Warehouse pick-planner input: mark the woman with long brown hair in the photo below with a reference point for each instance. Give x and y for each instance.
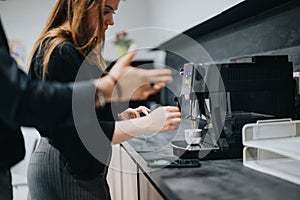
(62, 167)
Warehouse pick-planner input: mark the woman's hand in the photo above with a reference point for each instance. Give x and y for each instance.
(132, 113)
(164, 119)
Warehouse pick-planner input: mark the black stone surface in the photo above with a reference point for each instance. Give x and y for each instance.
(215, 179)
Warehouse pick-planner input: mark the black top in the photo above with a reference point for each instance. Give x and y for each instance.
(29, 104)
(64, 64)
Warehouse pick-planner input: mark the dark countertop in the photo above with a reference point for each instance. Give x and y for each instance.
(215, 179)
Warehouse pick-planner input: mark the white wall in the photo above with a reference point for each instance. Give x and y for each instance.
(181, 15)
(24, 19)
(131, 14)
(169, 17)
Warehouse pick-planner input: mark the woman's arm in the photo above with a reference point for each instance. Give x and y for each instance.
(162, 119)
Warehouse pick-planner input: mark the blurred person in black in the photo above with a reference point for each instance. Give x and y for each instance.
(21, 104)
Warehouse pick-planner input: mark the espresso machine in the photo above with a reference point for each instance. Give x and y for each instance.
(221, 98)
(197, 91)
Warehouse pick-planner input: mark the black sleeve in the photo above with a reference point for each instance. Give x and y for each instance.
(35, 103)
(12, 148)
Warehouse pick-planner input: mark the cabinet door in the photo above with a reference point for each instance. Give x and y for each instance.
(147, 190)
(114, 178)
(129, 177)
(122, 175)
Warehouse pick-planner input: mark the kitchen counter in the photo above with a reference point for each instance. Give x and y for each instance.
(215, 179)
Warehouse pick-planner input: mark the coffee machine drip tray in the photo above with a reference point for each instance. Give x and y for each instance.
(186, 151)
(229, 144)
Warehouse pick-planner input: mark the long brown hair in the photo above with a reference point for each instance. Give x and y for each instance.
(75, 13)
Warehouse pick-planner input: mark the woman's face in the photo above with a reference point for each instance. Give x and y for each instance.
(109, 10)
(111, 6)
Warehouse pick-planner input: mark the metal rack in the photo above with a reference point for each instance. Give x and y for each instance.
(272, 147)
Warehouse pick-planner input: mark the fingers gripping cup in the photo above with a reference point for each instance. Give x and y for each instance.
(192, 136)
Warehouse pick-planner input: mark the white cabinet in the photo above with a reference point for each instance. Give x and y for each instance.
(129, 177)
(146, 189)
(124, 180)
(122, 176)
(114, 174)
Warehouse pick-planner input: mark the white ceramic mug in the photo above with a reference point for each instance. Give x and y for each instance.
(192, 136)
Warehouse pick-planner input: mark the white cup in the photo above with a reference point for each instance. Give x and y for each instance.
(192, 136)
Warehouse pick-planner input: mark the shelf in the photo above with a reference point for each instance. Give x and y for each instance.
(273, 164)
(289, 147)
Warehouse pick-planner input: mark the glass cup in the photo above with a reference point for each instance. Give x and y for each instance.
(192, 136)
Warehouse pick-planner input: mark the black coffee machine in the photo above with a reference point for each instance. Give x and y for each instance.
(222, 98)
